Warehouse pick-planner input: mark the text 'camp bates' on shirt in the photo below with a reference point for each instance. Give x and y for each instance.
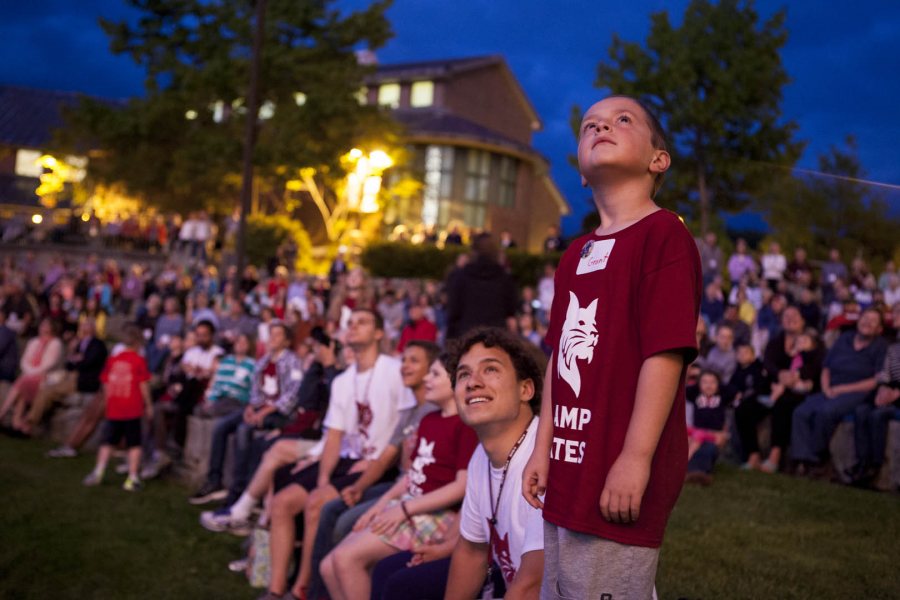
(619, 299)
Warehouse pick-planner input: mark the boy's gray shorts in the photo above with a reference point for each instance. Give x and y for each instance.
(579, 566)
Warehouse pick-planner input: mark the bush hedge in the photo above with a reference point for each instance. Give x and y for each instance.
(409, 261)
(266, 232)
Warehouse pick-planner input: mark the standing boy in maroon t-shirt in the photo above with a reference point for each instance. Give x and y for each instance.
(126, 387)
(627, 296)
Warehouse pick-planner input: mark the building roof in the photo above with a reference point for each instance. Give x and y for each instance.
(439, 123)
(447, 68)
(29, 116)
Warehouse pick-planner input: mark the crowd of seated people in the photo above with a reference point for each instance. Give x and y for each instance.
(338, 398)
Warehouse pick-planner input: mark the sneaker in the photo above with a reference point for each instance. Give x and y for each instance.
(132, 485)
(62, 452)
(239, 566)
(768, 467)
(155, 468)
(221, 520)
(93, 478)
(208, 492)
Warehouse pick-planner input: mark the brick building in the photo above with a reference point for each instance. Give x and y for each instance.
(469, 126)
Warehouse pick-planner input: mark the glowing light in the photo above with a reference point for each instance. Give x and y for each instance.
(380, 160)
(355, 154)
(85, 217)
(299, 98)
(190, 115)
(37, 219)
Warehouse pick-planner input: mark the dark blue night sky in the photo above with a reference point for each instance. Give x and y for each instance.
(843, 58)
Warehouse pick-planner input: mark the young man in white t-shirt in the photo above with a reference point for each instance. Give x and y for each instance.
(365, 405)
(497, 383)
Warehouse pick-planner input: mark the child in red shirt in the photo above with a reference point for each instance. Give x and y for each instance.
(126, 386)
(611, 452)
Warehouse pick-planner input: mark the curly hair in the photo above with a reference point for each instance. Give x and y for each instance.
(526, 358)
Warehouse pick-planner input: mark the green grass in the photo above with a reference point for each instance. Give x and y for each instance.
(748, 536)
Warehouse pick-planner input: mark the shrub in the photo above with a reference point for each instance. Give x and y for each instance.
(265, 233)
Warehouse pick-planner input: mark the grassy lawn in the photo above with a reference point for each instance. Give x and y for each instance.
(748, 536)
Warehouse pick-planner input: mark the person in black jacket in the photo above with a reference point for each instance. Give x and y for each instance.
(481, 292)
(9, 354)
(748, 386)
(87, 356)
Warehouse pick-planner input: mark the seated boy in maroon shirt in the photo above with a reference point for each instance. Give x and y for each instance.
(622, 326)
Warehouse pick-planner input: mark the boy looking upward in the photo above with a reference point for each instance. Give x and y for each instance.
(611, 452)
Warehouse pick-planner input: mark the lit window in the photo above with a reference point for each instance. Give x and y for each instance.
(507, 195)
(478, 173)
(389, 95)
(27, 164)
(438, 184)
(421, 94)
(299, 98)
(362, 96)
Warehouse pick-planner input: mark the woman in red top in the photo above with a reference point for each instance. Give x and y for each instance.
(420, 509)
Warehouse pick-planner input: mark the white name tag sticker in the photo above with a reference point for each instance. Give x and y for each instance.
(594, 256)
(296, 374)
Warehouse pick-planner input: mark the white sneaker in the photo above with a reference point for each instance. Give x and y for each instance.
(62, 452)
(221, 520)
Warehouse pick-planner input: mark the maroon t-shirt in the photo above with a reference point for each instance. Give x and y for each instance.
(618, 300)
(444, 445)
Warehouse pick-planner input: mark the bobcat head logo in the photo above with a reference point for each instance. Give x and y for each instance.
(579, 336)
(424, 457)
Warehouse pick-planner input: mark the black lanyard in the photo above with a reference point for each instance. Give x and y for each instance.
(495, 506)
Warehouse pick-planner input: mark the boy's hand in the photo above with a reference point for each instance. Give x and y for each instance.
(351, 495)
(620, 501)
(534, 478)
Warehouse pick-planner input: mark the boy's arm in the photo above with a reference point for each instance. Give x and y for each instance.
(331, 452)
(376, 468)
(534, 477)
(527, 583)
(148, 398)
(468, 565)
(620, 501)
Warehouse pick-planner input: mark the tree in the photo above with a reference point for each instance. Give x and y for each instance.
(179, 146)
(716, 84)
(832, 209)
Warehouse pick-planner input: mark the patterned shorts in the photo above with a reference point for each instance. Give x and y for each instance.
(424, 529)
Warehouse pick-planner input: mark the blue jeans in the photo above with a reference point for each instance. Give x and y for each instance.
(249, 449)
(704, 459)
(815, 421)
(870, 433)
(224, 427)
(335, 522)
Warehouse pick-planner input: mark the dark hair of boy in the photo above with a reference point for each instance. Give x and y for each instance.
(288, 332)
(132, 336)
(379, 320)
(431, 349)
(205, 323)
(521, 353)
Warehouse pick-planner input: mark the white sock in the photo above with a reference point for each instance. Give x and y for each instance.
(240, 510)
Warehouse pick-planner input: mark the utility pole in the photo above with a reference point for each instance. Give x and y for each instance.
(250, 132)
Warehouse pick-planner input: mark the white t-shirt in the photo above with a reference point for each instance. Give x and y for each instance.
(520, 527)
(366, 407)
(196, 356)
(773, 266)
